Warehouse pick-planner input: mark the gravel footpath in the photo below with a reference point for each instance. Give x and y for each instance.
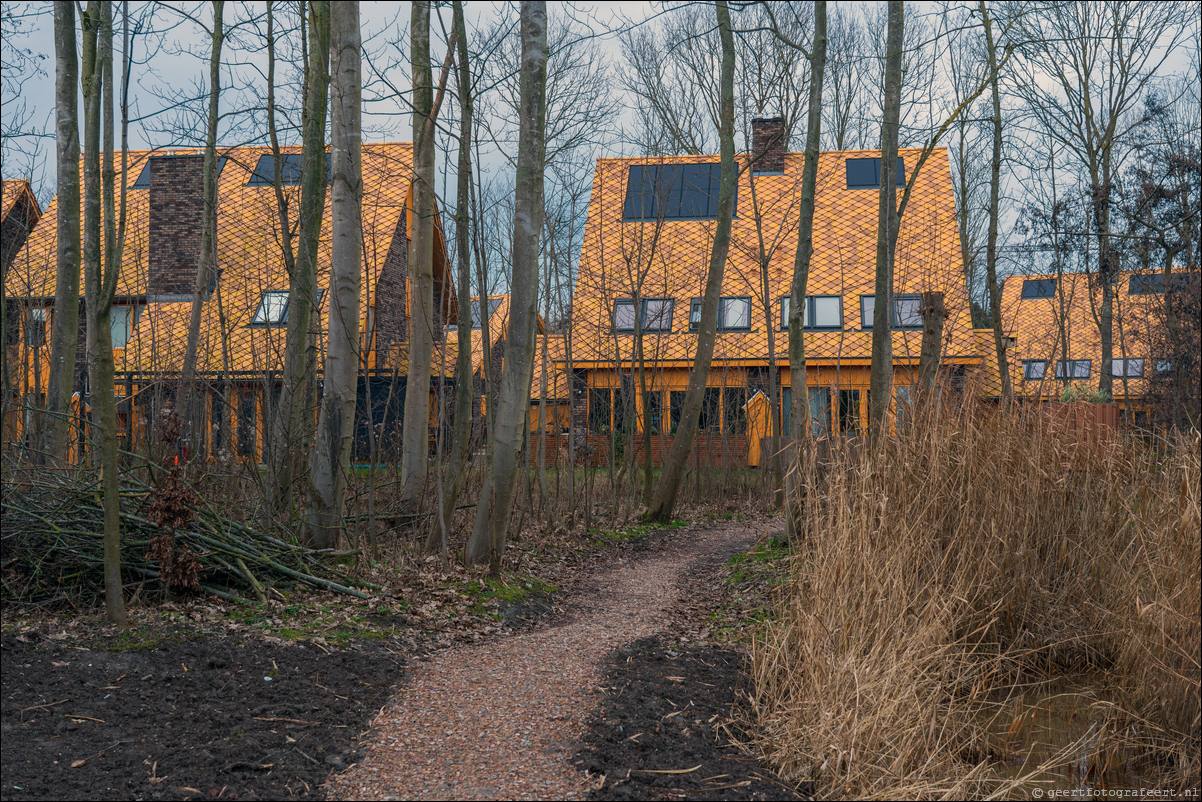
(501, 720)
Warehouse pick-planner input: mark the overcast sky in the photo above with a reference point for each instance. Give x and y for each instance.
(179, 65)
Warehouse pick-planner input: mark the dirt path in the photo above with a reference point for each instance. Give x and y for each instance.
(500, 720)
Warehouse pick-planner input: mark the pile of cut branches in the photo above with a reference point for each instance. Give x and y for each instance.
(54, 551)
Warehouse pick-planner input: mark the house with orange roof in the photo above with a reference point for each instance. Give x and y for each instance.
(19, 213)
(1052, 322)
(644, 261)
(245, 305)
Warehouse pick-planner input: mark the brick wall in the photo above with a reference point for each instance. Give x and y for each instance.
(176, 207)
(709, 450)
(768, 144)
(392, 322)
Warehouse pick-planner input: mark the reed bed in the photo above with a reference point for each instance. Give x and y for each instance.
(941, 572)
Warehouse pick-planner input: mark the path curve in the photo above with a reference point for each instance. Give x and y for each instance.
(501, 720)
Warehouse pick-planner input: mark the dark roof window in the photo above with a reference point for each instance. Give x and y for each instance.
(672, 192)
(866, 173)
(1039, 288)
(1153, 283)
(290, 170)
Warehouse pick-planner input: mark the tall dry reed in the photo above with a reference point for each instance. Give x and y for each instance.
(939, 571)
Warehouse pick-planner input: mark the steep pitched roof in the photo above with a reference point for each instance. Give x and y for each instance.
(249, 260)
(670, 258)
(11, 190)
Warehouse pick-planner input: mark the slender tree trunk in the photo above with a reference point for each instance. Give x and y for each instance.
(101, 265)
(330, 459)
(881, 380)
(294, 421)
(436, 541)
(64, 338)
(208, 230)
(799, 411)
(415, 430)
(488, 537)
(1108, 271)
(664, 503)
(995, 183)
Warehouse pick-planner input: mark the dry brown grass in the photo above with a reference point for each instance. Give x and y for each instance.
(938, 574)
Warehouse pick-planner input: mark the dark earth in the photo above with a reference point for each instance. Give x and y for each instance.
(664, 705)
(189, 714)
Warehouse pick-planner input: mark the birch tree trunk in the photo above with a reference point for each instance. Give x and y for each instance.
(330, 459)
(881, 381)
(64, 338)
(799, 412)
(436, 541)
(664, 502)
(208, 232)
(506, 437)
(415, 428)
(293, 426)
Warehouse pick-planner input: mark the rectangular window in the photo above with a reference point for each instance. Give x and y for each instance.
(1164, 366)
(904, 408)
(246, 423)
(656, 315)
(866, 173)
(849, 412)
(1153, 283)
(290, 170)
(120, 322)
(653, 411)
(820, 411)
(675, 408)
(734, 410)
(35, 327)
(1073, 369)
(1127, 368)
(600, 410)
(709, 420)
(734, 314)
(821, 312)
(215, 419)
(907, 311)
(786, 410)
(1039, 288)
(672, 192)
(1034, 369)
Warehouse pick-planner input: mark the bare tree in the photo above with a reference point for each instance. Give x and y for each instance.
(487, 542)
(888, 222)
(330, 459)
(1085, 67)
(65, 336)
(423, 316)
(995, 181)
(436, 541)
(664, 502)
(292, 428)
(200, 288)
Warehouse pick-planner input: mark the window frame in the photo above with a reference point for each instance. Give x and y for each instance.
(643, 206)
(643, 303)
(894, 317)
(875, 162)
(810, 313)
(1061, 365)
(37, 319)
(1033, 289)
(262, 309)
(722, 302)
(1126, 363)
(257, 179)
(1029, 364)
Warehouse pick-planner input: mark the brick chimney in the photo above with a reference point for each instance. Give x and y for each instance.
(768, 144)
(176, 208)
